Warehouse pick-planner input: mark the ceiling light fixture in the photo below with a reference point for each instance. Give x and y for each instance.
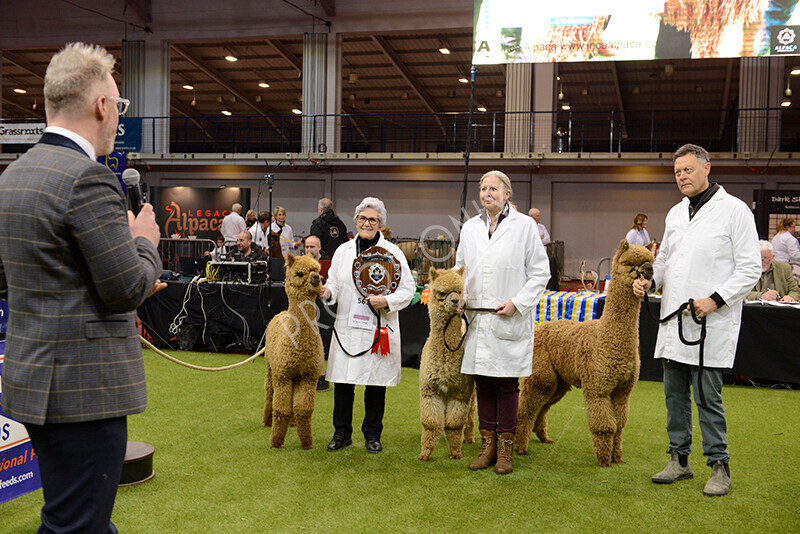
(297, 111)
(481, 108)
(34, 105)
(20, 91)
(565, 106)
(795, 71)
(263, 85)
(788, 90)
(188, 87)
(353, 79)
(444, 50)
(786, 103)
(463, 80)
(231, 58)
(226, 113)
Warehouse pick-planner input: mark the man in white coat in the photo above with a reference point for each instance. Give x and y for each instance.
(355, 332)
(710, 254)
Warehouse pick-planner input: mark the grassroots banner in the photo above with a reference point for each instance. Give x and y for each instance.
(19, 469)
(521, 31)
(21, 133)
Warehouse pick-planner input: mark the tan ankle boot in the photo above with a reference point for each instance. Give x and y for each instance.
(505, 453)
(488, 455)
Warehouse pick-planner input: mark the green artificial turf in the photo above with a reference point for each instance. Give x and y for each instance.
(215, 472)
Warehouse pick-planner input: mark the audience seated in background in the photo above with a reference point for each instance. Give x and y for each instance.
(247, 250)
(536, 215)
(638, 235)
(776, 282)
(313, 248)
(260, 229)
(250, 218)
(218, 251)
(785, 244)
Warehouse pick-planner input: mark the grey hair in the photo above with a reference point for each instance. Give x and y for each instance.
(236, 207)
(533, 212)
(71, 74)
(766, 245)
(325, 204)
(504, 181)
(698, 151)
(374, 203)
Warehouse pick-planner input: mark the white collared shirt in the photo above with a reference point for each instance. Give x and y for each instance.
(69, 134)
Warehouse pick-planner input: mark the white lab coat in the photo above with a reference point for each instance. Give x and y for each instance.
(717, 251)
(287, 238)
(369, 369)
(512, 265)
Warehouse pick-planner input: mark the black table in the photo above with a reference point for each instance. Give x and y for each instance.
(219, 317)
(768, 348)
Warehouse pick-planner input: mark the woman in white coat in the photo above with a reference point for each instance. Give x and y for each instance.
(638, 235)
(355, 331)
(285, 231)
(506, 270)
(785, 244)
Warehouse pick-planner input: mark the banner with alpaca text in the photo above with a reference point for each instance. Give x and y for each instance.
(521, 31)
(19, 469)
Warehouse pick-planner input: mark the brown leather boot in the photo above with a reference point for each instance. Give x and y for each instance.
(505, 453)
(488, 455)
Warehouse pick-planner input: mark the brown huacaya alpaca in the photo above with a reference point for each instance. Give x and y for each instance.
(601, 357)
(446, 397)
(294, 355)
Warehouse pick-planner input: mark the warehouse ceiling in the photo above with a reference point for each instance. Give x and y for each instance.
(400, 73)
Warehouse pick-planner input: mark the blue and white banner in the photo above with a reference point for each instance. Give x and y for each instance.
(19, 469)
(555, 305)
(129, 135)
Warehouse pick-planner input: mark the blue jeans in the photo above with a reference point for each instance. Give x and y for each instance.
(678, 378)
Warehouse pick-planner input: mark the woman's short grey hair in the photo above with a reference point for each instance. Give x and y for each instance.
(374, 203)
(504, 181)
(71, 74)
(766, 245)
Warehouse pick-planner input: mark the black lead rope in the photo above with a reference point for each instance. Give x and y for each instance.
(700, 341)
(466, 329)
(444, 332)
(374, 342)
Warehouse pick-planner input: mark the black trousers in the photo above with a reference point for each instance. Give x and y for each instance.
(374, 404)
(80, 466)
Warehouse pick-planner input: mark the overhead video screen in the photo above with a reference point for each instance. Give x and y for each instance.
(523, 31)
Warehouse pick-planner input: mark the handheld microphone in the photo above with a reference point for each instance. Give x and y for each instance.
(132, 180)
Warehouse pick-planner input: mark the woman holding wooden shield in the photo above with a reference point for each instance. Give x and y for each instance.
(370, 281)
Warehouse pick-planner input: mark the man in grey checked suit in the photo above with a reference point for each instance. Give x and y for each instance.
(74, 268)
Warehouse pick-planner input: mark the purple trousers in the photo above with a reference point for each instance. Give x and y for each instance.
(498, 403)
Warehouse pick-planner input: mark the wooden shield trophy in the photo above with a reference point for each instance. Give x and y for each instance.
(376, 272)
